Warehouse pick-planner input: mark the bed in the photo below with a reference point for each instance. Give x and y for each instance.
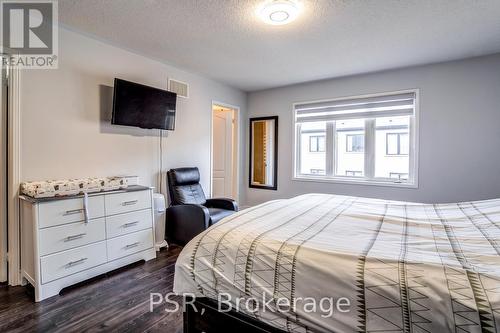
(400, 267)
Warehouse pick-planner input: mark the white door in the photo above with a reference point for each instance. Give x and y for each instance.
(222, 158)
(3, 177)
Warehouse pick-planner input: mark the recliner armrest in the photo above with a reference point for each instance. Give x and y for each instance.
(224, 203)
(185, 222)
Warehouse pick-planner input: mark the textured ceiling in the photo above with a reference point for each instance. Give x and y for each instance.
(223, 39)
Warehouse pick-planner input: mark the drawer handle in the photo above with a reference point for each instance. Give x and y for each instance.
(130, 224)
(129, 246)
(73, 212)
(129, 203)
(74, 237)
(76, 262)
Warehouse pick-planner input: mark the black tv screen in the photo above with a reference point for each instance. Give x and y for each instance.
(138, 105)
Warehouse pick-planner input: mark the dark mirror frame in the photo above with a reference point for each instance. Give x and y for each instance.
(274, 186)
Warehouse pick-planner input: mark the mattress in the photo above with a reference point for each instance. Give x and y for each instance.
(400, 267)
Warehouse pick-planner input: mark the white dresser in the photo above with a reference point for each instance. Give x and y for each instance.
(68, 240)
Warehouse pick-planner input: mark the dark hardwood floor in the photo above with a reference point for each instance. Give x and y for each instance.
(117, 301)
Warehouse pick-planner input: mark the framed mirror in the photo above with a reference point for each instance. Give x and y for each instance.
(264, 153)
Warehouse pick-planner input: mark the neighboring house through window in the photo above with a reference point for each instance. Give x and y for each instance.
(398, 175)
(397, 144)
(351, 173)
(372, 138)
(355, 143)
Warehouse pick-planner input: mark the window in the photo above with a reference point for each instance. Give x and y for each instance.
(317, 143)
(349, 133)
(371, 138)
(355, 143)
(392, 148)
(397, 144)
(311, 162)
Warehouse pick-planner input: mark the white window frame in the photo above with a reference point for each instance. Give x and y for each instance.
(369, 148)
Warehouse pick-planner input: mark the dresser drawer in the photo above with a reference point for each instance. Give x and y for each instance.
(127, 202)
(130, 244)
(69, 210)
(68, 236)
(118, 225)
(65, 263)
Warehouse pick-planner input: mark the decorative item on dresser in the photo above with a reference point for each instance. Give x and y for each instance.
(66, 240)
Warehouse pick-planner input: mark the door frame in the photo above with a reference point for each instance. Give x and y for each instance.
(237, 145)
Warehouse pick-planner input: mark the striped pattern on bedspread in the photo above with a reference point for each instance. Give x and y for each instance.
(405, 267)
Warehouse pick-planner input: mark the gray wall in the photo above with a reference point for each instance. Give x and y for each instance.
(459, 130)
(66, 130)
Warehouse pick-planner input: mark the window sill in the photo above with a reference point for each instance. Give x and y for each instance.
(351, 181)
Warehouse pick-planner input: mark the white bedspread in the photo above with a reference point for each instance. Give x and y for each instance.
(405, 267)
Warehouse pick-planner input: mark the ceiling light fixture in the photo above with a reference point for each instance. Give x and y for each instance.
(279, 12)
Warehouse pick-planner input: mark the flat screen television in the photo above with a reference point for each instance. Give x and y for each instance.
(138, 105)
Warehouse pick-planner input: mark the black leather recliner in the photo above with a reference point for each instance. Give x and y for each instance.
(190, 212)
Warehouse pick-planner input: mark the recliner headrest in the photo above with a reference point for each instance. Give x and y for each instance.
(184, 176)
